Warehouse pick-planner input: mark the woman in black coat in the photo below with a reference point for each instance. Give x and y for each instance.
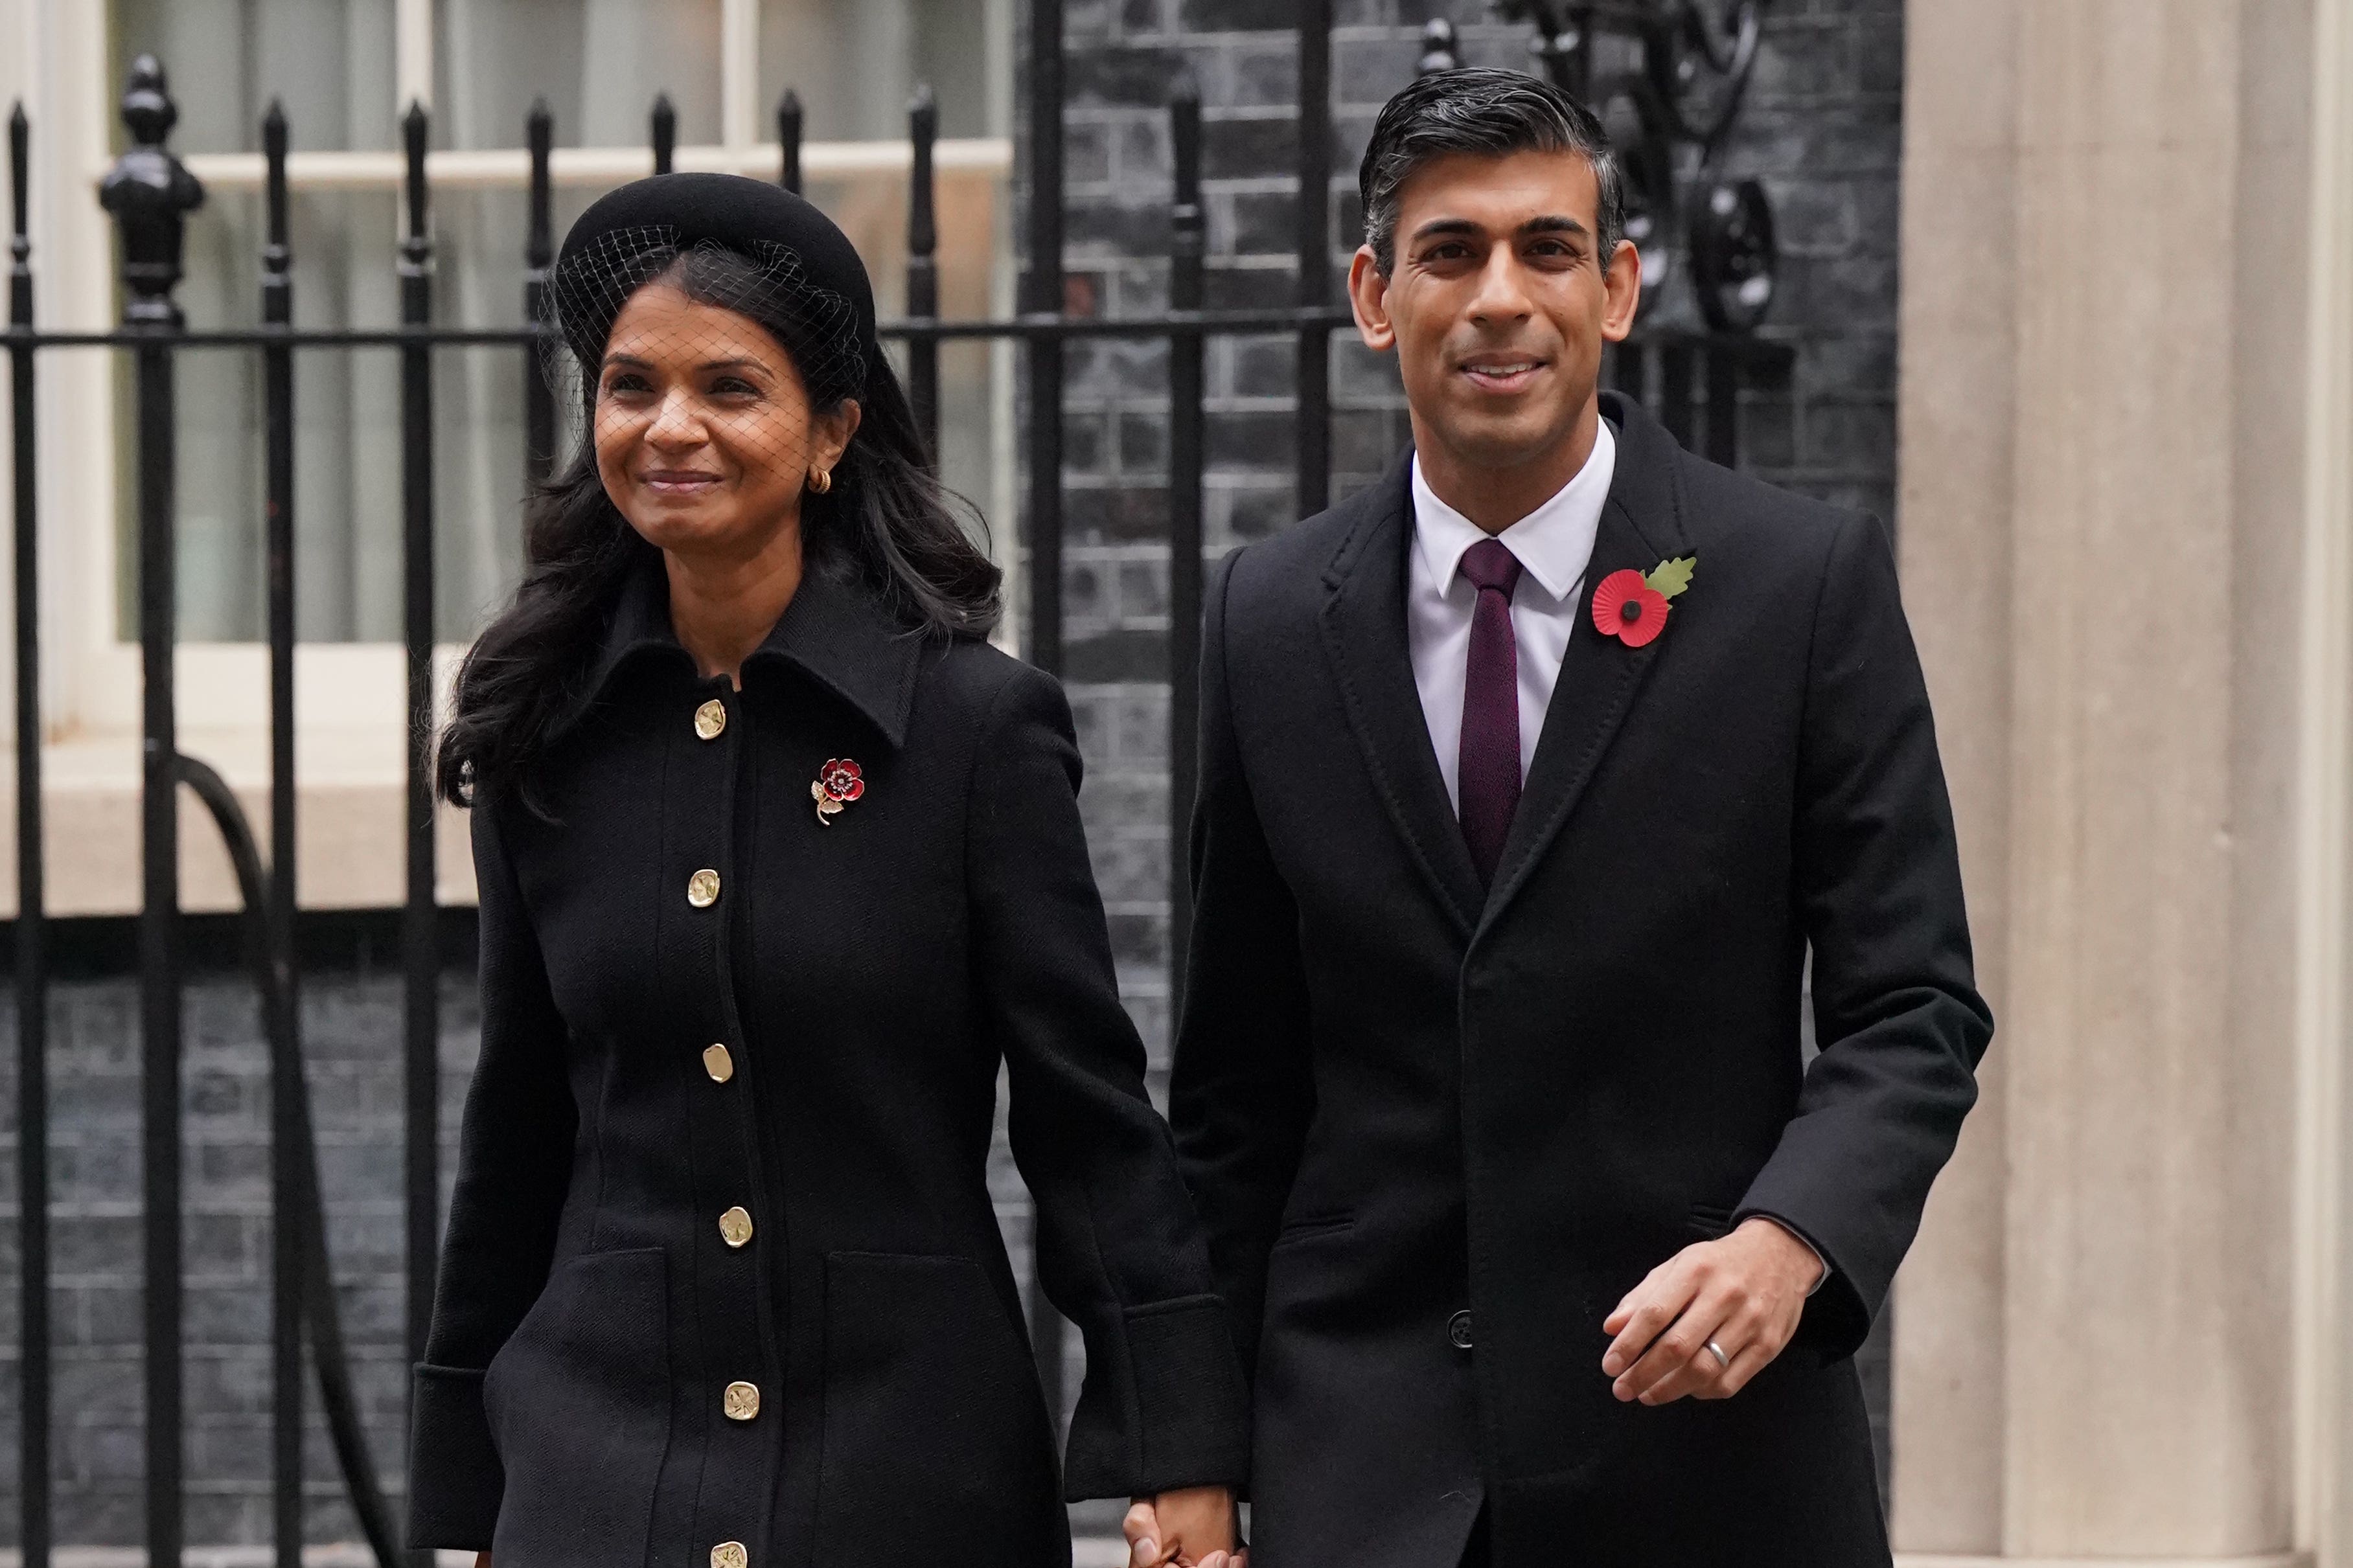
(778, 860)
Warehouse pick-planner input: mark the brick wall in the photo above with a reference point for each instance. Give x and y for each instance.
(351, 1024)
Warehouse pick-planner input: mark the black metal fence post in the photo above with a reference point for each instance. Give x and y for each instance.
(32, 969)
(419, 930)
(1044, 531)
(286, 1087)
(150, 193)
(788, 140)
(538, 257)
(1722, 406)
(1314, 370)
(1187, 422)
(923, 268)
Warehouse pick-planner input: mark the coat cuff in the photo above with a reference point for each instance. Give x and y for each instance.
(1837, 1318)
(455, 1479)
(1189, 1408)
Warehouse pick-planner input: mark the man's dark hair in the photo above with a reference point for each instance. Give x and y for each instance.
(1491, 112)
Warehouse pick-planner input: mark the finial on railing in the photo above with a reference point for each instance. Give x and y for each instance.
(1186, 220)
(414, 248)
(150, 192)
(1437, 49)
(788, 140)
(922, 132)
(20, 164)
(276, 255)
(539, 134)
(20, 232)
(665, 129)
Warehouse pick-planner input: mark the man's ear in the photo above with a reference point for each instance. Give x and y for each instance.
(1623, 292)
(1369, 293)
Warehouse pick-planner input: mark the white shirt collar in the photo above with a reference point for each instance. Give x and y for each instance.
(1554, 544)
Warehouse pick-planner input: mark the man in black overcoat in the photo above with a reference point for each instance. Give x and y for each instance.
(1531, 778)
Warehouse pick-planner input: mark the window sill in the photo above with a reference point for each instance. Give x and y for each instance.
(350, 849)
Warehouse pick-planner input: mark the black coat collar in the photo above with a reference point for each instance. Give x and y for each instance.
(835, 633)
(1365, 636)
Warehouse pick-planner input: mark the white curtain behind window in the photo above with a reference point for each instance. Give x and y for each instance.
(598, 64)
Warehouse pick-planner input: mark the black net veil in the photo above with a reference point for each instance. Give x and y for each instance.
(763, 281)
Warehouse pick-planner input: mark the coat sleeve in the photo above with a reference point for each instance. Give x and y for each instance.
(1243, 1092)
(1896, 1011)
(1119, 1248)
(514, 1163)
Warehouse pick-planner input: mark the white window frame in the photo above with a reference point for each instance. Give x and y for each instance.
(349, 696)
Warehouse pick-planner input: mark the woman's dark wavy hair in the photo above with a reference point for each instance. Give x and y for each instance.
(887, 525)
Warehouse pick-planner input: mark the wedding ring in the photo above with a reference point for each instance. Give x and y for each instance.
(1723, 1361)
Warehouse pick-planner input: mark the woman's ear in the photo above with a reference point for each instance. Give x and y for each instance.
(835, 430)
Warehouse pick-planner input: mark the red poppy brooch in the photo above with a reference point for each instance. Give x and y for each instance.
(837, 784)
(1632, 606)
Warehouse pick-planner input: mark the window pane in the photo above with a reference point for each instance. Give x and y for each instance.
(329, 60)
(855, 65)
(598, 63)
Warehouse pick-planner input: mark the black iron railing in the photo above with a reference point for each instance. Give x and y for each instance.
(1695, 380)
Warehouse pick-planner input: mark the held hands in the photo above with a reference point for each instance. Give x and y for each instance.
(1744, 1292)
(1198, 1527)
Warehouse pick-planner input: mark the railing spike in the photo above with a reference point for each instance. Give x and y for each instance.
(789, 118)
(665, 133)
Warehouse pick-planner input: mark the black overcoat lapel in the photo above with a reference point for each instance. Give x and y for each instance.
(1600, 677)
(1365, 638)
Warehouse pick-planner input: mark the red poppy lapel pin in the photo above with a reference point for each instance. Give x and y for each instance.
(837, 784)
(1632, 606)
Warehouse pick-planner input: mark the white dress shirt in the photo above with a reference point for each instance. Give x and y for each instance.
(1554, 544)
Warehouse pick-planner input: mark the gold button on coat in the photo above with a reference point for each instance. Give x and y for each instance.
(710, 718)
(730, 1554)
(718, 1063)
(735, 1227)
(702, 889)
(743, 1402)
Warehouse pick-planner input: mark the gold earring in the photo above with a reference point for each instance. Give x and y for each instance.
(820, 480)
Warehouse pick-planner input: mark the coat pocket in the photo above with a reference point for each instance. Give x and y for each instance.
(936, 1447)
(1314, 1225)
(1709, 1222)
(578, 1401)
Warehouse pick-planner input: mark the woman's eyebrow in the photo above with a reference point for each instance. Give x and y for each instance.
(739, 363)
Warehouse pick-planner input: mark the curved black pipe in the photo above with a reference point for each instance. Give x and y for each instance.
(320, 1310)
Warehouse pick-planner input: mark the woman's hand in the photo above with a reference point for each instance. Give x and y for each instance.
(1198, 1527)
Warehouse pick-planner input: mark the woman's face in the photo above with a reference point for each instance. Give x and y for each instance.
(704, 430)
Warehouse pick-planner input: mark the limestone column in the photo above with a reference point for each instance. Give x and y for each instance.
(2102, 491)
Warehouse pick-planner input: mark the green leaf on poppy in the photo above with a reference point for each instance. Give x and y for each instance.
(1672, 577)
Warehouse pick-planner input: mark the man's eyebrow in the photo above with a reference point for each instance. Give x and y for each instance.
(1544, 223)
(1554, 223)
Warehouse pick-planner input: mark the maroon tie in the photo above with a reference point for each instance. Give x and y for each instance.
(1488, 779)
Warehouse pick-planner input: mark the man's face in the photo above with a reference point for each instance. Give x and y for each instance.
(1496, 302)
